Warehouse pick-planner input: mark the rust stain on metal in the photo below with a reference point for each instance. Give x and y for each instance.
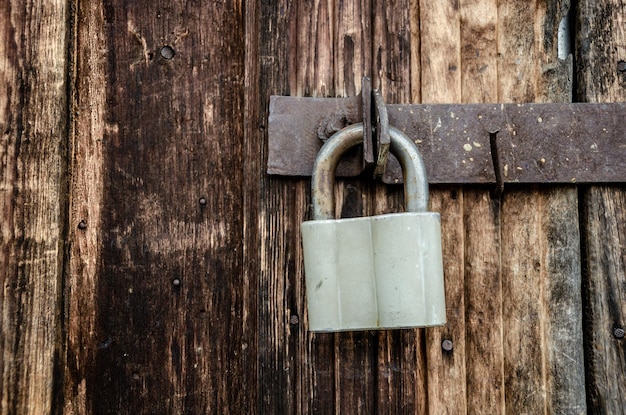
(538, 143)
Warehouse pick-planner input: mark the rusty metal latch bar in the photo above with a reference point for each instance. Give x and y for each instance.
(537, 143)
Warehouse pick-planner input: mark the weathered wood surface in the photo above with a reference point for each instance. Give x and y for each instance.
(184, 289)
(601, 74)
(159, 318)
(540, 254)
(33, 130)
(499, 344)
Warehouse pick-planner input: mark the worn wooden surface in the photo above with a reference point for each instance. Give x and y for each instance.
(497, 341)
(601, 74)
(440, 81)
(181, 287)
(33, 120)
(157, 304)
(540, 250)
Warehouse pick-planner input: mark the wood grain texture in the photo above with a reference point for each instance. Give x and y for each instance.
(600, 47)
(605, 299)
(156, 300)
(87, 129)
(538, 304)
(481, 215)
(446, 371)
(483, 297)
(501, 349)
(33, 195)
(440, 36)
(273, 214)
(540, 244)
(440, 51)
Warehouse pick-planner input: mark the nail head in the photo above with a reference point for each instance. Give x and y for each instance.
(447, 345)
(618, 332)
(82, 225)
(621, 66)
(167, 52)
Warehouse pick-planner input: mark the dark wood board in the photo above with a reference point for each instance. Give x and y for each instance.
(158, 304)
(601, 77)
(149, 265)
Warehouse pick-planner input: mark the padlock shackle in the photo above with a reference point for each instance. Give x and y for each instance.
(323, 180)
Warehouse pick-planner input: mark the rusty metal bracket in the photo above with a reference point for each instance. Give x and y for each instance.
(536, 143)
(368, 125)
(383, 140)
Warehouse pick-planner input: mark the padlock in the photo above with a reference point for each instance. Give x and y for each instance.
(377, 272)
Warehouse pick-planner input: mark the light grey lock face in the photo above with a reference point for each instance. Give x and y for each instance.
(377, 272)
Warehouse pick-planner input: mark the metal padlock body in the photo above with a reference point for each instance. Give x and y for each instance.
(378, 272)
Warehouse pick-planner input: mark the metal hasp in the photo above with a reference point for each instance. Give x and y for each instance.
(536, 143)
(377, 272)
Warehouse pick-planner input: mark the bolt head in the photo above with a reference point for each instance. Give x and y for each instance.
(618, 332)
(167, 52)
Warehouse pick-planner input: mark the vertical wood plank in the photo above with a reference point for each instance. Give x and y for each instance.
(275, 212)
(483, 281)
(252, 170)
(446, 367)
(563, 305)
(540, 246)
(169, 333)
(483, 297)
(601, 76)
(33, 197)
(523, 290)
(605, 299)
(440, 27)
(87, 128)
(314, 49)
(440, 51)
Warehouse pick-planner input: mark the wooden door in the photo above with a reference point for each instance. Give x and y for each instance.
(149, 265)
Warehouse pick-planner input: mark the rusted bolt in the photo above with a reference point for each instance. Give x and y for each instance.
(167, 52)
(447, 345)
(618, 332)
(82, 225)
(202, 201)
(294, 320)
(176, 282)
(621, 66)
